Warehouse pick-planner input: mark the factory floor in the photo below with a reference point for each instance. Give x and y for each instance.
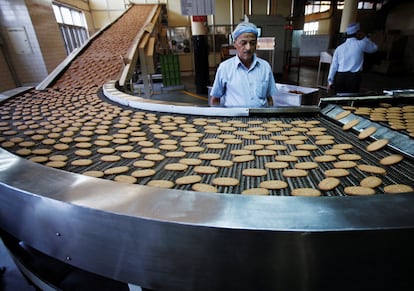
(11, 279)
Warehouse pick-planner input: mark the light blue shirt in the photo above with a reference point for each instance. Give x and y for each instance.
(237, 86)
(349, 56)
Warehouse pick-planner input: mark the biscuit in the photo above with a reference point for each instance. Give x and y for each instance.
(23, 152)
(175, 167)
(188, 180)
(376, 145)
(193, 149)
(143, 173)
(61, 147)
(391, 160)
(342, 146)
(143, 164)
(350, 124)
(190, 161)
(154, 157)
(300, 153)
(371, 182)
(372, 169)
(58, 158)
(243, 158)
(202, 187)
(161, 184)
(324, 158)
(56, 164)
(110, 158)
(226, 181)
(130, 155)
(254, 172)
(276, 147)
(205, 170)
(39, 159)
(222, 163)
(336, 173)
(359, 190)
(286, 158)
(116, 170)
(343, 114)
(349, 157)
(255, 191)
(398, 188)
(367, 132)
(253, 147)
(328, 183)
(93, 173)
(308, 147)
(344, 164)
(83, 153)
(276, 165)
(106, 151)
(291, 173)
(175, 154)
(334, 152)
(81, 162)
(307, 192)
(306, 165)
(125, 179)
(273, 184)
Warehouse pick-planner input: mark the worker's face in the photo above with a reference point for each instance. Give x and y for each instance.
(245, 45)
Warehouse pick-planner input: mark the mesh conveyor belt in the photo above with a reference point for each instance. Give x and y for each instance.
(395, 174)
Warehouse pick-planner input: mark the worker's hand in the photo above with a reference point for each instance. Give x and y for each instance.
(214, 101)
(270, 101)
(360, 34)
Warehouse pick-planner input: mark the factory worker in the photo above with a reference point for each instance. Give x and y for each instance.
(348, 59)
(244, 80)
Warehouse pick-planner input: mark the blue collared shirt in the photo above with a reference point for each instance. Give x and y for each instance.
(349, 56)
(238, 86)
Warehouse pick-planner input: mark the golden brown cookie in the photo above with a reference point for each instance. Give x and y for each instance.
(125, 179)
(143, 173)
(254, 172)
(398, 188)
(371, 182)
(367, 132)
(222, 163)
(336, 173)
(205, 170)
(175, 167)
(161, 184)
(307, 192)
(372, 169)
(144, 164)
(188, 180)
(255, 191)
(328, 183)
(202, 187)
(292, 173)
(391, 160)
(376, 145)
(116, 170)
(226, 181)
(273, 184)
(359, 190)
(350, 124)
(93, 173)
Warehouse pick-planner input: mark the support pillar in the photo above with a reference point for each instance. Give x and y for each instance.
(200, 49)
(349, 14)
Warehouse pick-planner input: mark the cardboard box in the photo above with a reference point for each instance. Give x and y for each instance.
(291, 95)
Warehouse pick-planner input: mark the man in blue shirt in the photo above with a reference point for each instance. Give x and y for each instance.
(244, 80)
(345, 70)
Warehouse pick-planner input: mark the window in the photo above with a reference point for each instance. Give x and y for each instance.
(72, 25)
(311, 28)
(317, 7)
